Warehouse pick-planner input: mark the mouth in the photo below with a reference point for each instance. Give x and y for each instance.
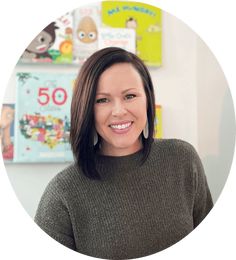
(41, 47)
(121, 128)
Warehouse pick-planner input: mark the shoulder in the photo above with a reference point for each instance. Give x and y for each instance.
(173, 145)
(174, 148)
(65, 179)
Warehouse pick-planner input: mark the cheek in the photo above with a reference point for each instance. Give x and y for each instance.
(141, 111)
(100, 115)
(140, 107)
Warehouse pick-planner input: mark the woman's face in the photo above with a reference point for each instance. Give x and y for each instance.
(120, 110)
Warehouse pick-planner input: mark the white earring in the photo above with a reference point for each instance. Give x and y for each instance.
(95, 138)
(146, 131)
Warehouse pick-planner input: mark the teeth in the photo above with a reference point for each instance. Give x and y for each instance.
(123, 126)
(41, 46)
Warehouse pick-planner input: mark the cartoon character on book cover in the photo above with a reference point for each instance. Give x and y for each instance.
(86, 21)
(144, 19)
(53, 44)
(7, 131)
(43, 117)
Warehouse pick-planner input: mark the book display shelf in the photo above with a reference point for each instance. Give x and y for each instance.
(36, 127)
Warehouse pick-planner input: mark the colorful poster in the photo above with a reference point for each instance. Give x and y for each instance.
(144, 19)
(158, 122)
(42, 122)
(7, 132)
(86, 21)
(116, 37)
(53, 44)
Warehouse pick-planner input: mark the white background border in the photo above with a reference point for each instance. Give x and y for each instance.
(214, 22)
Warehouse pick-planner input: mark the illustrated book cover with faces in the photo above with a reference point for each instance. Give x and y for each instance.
(86, 21)
(7, 131)
(53, 44)
(144, 19)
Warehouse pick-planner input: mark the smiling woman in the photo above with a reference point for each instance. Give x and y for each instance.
(127, 195)
(113, 88)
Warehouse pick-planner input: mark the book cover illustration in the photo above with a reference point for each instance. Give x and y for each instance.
(144, 19)
(158, 122)
(117, 37)
(53, 44)
(42, 121)
(86, 21)
(7, 132)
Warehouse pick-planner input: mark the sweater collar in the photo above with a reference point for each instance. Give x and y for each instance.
(125, 163)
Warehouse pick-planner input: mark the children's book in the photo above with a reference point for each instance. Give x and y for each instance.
(42, 120)
(7, 132)
(86, 21)
(53, 44)
(116, 37)
(144, 19)
(158, 122)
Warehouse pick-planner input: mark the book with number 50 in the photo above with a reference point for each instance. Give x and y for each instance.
(42, 120)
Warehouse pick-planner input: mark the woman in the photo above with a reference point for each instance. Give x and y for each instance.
(127, 195)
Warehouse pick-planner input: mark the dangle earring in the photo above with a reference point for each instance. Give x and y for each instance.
(95, 138)
(145, 131)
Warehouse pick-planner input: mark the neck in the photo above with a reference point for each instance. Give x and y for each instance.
(117, 151)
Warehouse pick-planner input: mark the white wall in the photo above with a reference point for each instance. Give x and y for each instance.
(216, 119)
(175, 81)
(197, 107)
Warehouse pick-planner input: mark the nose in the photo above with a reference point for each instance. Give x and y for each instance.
(119, 109)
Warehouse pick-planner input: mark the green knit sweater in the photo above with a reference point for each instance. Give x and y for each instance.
(134, 210)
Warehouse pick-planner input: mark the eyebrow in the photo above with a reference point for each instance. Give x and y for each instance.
(124, 91)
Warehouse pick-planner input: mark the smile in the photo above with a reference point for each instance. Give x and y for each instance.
(121, 126)
(41, 47)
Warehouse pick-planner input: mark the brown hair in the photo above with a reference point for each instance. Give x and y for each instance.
(83, 100)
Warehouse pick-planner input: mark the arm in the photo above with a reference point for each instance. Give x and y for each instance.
(53, 217)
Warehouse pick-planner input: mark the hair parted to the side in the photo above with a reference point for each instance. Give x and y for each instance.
(83, 100)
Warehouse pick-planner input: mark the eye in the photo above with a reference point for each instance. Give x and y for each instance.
(102, 100)
(130, 96)
(41, 39)
(81, 34)
(92, 35)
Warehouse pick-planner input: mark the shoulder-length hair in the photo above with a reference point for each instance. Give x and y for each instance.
(83, 100)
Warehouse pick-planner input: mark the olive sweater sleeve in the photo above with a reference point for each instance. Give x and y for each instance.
(53, 217)
(203, 200)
